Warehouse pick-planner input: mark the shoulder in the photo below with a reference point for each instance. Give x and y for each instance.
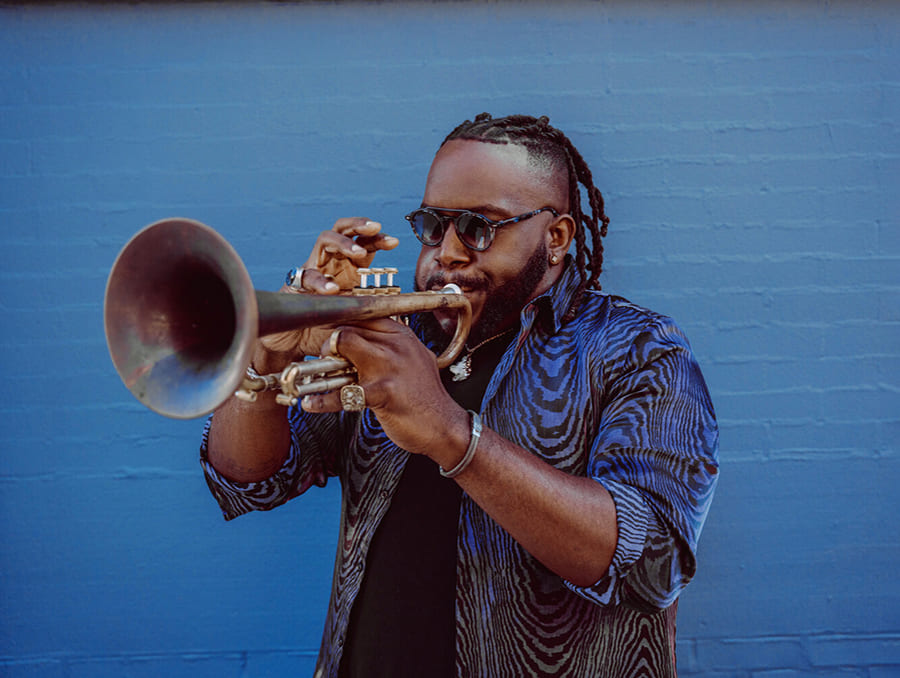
(616, 316)
(625, 335)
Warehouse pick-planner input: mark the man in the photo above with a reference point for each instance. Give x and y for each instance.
(532, 511)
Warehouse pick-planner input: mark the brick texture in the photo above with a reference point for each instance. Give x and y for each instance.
(749, 155)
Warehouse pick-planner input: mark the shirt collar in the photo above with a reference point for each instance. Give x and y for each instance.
(551, 306)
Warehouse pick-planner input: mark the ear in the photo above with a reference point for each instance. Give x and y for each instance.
(559, 237)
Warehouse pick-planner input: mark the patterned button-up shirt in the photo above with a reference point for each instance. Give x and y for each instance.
(614, 394)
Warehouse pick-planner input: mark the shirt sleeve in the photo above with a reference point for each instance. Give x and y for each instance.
(316, 447)
(656, 453)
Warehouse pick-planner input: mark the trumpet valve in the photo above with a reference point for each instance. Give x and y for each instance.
(379, 286)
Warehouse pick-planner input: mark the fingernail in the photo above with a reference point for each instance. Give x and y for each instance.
(358, 250)
(391, 240)
(372, 223)
(331, 286)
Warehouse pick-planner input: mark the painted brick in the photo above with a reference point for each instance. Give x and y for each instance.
(751, 654)
(36, 668)
(748, 154)
(875, 651)
(848, 672)
(151, 666)
(264, 664)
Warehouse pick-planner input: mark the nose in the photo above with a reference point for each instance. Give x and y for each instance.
(451, 253)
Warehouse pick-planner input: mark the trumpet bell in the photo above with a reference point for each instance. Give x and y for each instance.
(180, 315)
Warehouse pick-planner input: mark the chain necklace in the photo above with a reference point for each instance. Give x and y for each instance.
(462, 368)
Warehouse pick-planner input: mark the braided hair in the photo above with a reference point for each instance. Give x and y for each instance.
(548, 145)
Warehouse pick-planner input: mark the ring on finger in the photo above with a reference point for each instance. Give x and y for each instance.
(333, 343)
(294, 278)
(353, 398)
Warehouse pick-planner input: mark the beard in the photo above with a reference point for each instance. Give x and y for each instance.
(504, 302)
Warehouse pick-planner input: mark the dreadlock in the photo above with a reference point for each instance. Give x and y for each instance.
(547, 144)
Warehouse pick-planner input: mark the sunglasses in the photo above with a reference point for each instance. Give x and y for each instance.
(474, 230)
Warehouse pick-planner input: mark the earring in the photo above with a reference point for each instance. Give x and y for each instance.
(554, 259)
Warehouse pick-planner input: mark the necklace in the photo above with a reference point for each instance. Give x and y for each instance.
(462, 368)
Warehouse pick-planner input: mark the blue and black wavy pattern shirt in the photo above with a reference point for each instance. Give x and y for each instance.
(615, 395)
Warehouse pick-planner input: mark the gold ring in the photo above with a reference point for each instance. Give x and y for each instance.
(353, 398)
(333, 343)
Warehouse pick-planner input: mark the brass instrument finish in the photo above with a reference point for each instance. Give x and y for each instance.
(182, 319)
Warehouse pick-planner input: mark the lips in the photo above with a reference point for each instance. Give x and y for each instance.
(467, 284)
(438, 288)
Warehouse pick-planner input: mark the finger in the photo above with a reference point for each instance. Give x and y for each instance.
(356, 226)
(311, 280)
(322, 402)
(316, 282)
(366, 232)
(331, 345)
(362, 340)
(332, 245)
(381, 241)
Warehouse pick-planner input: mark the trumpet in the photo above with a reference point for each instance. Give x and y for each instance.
(182, 318)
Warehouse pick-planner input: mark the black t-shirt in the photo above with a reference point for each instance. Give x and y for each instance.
(403, 620)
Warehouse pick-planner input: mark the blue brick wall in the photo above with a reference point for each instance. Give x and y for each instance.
(749, 155)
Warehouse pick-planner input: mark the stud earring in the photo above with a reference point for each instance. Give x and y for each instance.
(554, 259)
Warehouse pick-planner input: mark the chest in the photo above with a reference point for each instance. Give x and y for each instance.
(545, 397)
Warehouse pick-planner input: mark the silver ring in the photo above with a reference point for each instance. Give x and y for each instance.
(353, 398)
(333, 343)
(294, 278)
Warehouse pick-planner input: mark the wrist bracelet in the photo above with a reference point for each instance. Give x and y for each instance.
(470, 451)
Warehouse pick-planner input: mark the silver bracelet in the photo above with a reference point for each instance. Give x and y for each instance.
(470, 451)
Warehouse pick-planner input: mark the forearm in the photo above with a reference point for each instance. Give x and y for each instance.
(566, 522)
(249, 442)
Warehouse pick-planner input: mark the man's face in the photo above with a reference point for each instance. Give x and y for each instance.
(498, 182)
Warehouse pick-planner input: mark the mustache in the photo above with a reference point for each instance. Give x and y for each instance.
(466, 282)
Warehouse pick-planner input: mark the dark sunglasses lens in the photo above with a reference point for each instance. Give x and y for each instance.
(474, 231)
(427, 227)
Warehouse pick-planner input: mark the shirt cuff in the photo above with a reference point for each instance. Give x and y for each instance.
(235, 498)
(631, 519)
